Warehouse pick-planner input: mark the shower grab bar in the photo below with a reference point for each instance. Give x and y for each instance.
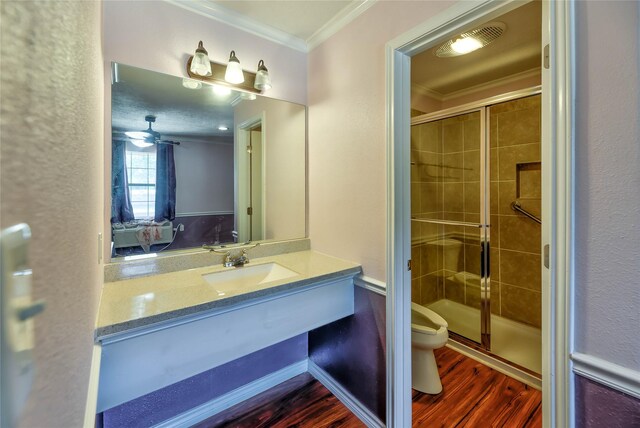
(447, 223)
(515, 205)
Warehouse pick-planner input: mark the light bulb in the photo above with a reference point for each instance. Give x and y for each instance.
(466, 45)
(234, 72)
(263, 81)
(200, 63)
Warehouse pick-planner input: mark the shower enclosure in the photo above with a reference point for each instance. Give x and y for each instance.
(475, 208)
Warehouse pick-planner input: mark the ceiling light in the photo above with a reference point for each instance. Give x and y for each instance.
(234, 71)
(223, 128)
(263, 81)
(200, 63)
(471, 40)
(191, 84)
(466, 45)
(140, 143)
(221, 91)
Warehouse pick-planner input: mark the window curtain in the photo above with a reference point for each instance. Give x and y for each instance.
(121, 208)
(165, 183)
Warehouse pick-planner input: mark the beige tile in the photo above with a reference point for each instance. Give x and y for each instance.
(519, 127)
(415, 198)
(472, 295)
(429, 289)
(495, 297)
(431, 137)
(415, 290)
(429, 259)
(493, 130)
(472, 258)
(472, 217)
(471, 197)
(531, 205)
(429, 168)
(506, 196)
(415, 137)
(416, 270)
(451, 262)
(530, 184)
(453, 197)
(521, 269)
(472, 236)
(520, 304)
(452, 137)
(452, 170)
(494, 260)
(494, 197)
(472, 133)
(494, 231)
(471, 165)
(508, 157)
(454, 291)
(519, 234)
(430, 197)
(494, 171)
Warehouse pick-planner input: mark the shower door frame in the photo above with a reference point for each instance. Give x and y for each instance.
(481, 106)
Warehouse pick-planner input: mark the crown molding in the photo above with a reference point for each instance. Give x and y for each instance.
(339, 21)
(493, 83)
(423, 90)
(227, 16)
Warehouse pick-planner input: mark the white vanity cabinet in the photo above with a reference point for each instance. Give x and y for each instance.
(138, 360)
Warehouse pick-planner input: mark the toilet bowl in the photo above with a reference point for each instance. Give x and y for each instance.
(428, 332)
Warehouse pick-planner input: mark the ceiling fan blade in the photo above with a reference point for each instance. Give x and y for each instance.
(173, 143)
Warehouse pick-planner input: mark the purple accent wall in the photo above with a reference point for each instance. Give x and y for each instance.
(600, 406)
(174, 399)
(352, 350)
(201, 229)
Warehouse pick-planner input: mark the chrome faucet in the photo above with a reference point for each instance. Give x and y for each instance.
(240, 260)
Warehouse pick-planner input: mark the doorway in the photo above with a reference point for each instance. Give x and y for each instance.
(556, 203)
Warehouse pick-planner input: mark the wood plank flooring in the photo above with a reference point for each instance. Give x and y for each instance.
(473, 396)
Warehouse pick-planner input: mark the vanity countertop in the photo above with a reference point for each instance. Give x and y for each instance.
(139, 302)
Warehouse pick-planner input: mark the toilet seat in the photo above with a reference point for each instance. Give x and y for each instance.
(426, 321)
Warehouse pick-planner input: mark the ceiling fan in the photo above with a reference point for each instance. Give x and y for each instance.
(147, 137)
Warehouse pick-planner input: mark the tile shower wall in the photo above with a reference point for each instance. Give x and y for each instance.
(445, 184)
(514, 134)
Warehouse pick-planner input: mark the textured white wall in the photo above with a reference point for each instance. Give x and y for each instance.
(347, 135)
(608, 181)
(51, 176)
(204, 177)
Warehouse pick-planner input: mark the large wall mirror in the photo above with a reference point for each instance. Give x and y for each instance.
(195, 164)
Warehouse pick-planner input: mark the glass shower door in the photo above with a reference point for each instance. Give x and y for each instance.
(449, 222)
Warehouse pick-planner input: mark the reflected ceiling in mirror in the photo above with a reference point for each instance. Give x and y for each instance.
(197, 164)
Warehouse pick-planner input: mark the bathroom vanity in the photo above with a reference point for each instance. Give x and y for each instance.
(160, 329)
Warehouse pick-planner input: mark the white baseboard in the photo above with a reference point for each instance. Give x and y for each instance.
(92, 394)
(364, 414)
(606, 373)
(496, 364)
(230, 399)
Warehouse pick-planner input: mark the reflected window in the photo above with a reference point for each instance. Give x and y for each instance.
(141, 171)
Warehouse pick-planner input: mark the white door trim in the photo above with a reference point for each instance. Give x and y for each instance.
(557, 168)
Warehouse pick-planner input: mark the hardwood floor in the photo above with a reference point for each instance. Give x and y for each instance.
(301, 402)
(473, 396)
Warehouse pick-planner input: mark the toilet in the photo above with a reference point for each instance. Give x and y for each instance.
(428, 332)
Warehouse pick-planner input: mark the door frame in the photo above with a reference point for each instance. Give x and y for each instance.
(557, 202)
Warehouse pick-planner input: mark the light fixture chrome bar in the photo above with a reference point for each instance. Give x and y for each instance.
(515, 205)
(447, 223)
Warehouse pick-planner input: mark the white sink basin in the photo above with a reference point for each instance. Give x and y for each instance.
(234, 279)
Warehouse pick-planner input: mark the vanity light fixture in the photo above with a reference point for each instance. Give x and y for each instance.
(200, 65)
(263, 81)
(234, 71)
(231, 75)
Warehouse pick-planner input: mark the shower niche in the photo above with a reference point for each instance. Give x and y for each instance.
(476, 261)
